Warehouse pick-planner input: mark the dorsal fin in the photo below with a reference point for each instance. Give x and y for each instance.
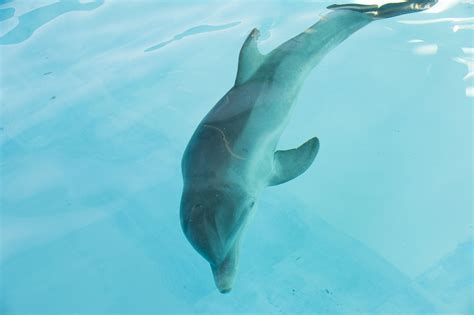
(290, 164)
(250, 58)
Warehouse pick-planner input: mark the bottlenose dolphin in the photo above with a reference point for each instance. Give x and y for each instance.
(232, 155)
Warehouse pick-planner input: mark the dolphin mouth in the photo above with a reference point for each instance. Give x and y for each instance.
(225, 290)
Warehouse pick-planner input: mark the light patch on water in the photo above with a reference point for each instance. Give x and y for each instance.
(463, 27)
(458, 24)
(468, 61)
(470, 91)
(440, 20)
(468, 50)
(443, 5)
(426, 50)
(470, 67)
(19, 234)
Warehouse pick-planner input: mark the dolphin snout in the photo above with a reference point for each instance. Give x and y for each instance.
(224, 272)
(224, 279)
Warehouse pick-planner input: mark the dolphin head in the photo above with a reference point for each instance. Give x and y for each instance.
(212, 218)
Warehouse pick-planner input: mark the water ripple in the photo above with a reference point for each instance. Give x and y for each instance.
(6, 13)
(33, 20)
(2, 2)
(440, 20)
(193, 31)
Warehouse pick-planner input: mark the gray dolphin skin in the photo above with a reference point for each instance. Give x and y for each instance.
(232, 156)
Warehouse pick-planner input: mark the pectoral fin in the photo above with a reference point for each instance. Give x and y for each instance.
(290, 164)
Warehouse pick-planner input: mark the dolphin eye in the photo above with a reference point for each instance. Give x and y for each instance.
(252, 203)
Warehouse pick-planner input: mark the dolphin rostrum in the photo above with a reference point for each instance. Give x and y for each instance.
(232, 155)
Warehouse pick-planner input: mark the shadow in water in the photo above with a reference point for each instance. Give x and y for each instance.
(33, 20)
(2, 2)
(7, 13)
(193, 31)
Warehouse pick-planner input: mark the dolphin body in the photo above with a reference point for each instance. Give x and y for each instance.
(232, 155)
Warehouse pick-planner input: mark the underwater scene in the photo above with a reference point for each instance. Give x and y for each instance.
(212, 157)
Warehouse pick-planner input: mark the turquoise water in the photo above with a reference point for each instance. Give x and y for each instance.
(99, 99)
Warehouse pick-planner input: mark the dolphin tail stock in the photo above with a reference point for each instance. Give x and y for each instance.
(387, 10)
(299, 55)
(308, 48)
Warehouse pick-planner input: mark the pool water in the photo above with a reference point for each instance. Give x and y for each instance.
(99, 99)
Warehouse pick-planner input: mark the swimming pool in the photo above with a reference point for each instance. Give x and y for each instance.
(100, 98)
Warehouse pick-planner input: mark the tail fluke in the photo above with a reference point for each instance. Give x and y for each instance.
(387, 10)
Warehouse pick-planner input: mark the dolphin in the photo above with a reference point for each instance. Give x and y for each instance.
(232, 156)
